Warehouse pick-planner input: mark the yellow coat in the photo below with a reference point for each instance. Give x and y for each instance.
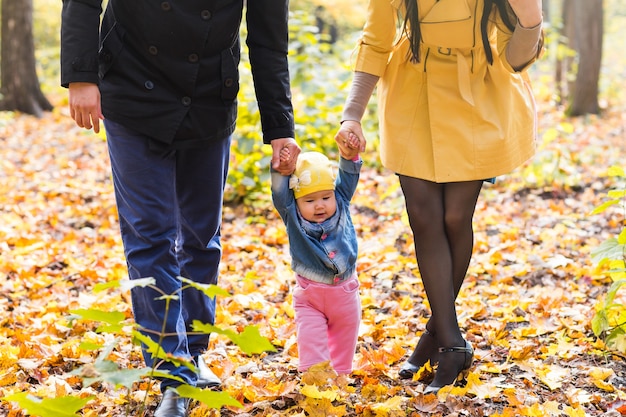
(451, 116)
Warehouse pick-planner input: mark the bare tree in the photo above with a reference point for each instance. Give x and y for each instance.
(19, 84)
(583, 30)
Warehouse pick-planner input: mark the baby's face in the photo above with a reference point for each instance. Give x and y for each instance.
(318, 206)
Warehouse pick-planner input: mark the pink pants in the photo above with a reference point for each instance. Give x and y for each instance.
(327, 320)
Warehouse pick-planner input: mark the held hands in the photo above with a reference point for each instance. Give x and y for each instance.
(84, 102)
(350, 139)
(285, 153)
(528, 12)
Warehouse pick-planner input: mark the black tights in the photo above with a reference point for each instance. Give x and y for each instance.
(440, 216)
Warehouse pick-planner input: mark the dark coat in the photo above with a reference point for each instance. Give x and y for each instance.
(169, 69)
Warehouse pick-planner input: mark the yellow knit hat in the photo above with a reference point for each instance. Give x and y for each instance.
(314, 172)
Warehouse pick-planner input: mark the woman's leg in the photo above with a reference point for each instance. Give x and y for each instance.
(426, 210)
(440, 216)
(460, 202)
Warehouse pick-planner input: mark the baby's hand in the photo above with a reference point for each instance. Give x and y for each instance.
(353, 141)
(350, 139)
(285, 155)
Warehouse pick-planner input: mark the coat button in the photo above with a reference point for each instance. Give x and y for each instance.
(153, 50)
(331, 255)
(205, 14)
(149, 85)
(324, 236)
(186, 101)
(228, 82)
(193, 58)
(166, 6)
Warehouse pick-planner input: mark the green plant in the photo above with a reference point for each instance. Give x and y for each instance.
(610, 319)
(103, 370)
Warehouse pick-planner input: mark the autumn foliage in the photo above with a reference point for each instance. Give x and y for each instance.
(535, 293)
(527, 305)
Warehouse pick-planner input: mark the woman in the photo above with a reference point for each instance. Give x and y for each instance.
(455, 109)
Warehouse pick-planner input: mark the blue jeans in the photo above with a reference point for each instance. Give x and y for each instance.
(170, 210)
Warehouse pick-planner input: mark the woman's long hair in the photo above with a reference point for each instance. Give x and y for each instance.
(411, 26)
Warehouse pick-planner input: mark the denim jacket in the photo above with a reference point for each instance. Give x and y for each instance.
(323, 252)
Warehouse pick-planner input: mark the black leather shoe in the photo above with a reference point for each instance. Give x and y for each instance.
(407, 370)
(172, 405)
(451, 376)
(206, 378)
(426, 350)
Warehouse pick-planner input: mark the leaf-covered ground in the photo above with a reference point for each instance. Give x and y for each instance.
(526, 306)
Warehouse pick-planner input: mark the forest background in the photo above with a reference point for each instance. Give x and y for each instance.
(542, 304)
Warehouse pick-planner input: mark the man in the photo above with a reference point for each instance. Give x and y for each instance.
(163, 77)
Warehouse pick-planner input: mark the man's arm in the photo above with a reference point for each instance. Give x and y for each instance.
(80, 29)
(80, 23)
(268, 45)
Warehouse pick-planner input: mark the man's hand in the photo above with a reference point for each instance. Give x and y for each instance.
(350, 139)
(85, 105)
(286, 164)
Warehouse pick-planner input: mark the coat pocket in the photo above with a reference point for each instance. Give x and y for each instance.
(230, 73)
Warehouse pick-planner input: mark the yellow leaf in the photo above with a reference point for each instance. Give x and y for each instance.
(603, 385)
(512, 397)
(616, 171)
(390, 404)
(323, 408)
(575, 412)
(319, 374)
(7, 378)
(552, 376)
(313, 392)
(599, 378)
(601, 373)
(481, 389)
(522, 351)
(536, 410)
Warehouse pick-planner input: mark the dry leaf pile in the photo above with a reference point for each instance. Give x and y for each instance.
(526, 305)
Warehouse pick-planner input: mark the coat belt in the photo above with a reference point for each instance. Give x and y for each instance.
(464, 70)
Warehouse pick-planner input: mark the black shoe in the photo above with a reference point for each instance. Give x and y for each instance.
(446, 376)
(206, 378)
(426, 350)
(172, 405)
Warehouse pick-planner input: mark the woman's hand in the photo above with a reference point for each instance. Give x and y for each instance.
(350, 139)
(528, 12)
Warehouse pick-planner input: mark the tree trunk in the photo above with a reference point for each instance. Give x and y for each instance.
(566, 53)
(588, 16)
(563, 61)
(19, 84)
(583, 28)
